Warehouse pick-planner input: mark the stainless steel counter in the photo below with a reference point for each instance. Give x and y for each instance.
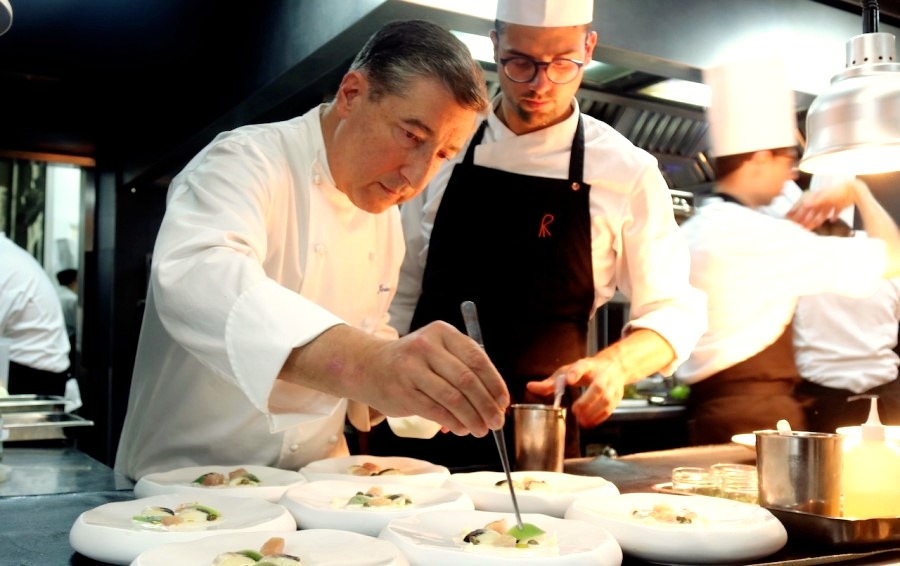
(48, 471)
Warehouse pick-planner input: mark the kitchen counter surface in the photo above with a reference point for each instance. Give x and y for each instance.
(57, 485)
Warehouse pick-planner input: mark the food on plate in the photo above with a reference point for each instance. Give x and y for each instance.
(183, 515)
(270, 554)
(372, 469)
(526, 484)
(237, 477)
(496, 535)
(375, 497)
(662, 513)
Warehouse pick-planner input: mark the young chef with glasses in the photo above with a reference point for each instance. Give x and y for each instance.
(275, 265)
(539, 220)
(753, 267)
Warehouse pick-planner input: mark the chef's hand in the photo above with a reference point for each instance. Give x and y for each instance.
(435, 372)
(815, 207)
(604, 375)
(604, 381)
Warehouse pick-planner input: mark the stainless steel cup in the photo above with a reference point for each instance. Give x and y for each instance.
(800, 471)
(540, 437)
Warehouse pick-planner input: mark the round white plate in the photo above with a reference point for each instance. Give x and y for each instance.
(273, 482)
(427, 539)
(414, 472)
(562, 490)
(314, 547)
(109, 534)
(747, 439)
(318, 504)
(731, 531)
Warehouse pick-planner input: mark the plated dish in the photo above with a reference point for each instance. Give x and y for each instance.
(891, 432)
(435, 538)
(382, 469)
(271, 484)
(362, 507)
(118, 532)
(684, 529)
(314, 547)
(550, 493)
(747, 439)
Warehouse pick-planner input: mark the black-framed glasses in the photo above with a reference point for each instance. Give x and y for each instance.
(521, 69)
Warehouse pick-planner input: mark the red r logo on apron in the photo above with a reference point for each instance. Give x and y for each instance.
(546, 221)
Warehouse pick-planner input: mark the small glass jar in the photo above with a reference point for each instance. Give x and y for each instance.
(697, 481)
(740, 487)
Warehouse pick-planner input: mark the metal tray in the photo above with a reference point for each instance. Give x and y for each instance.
(838, 530)
(40, 426)
(31, 403)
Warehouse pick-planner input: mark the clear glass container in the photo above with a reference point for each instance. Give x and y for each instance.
(697, 481)
(740, 487)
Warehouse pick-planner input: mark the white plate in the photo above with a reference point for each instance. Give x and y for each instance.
(633, 403)
(107, 533)
(314, 547)
(316, 505)
(427, 539)
(732, 532)
(273, 482)
(562, 490)
(747, 439)
(415, 472)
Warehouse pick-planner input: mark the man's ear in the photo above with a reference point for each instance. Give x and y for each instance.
(354, 86)
(495, 40)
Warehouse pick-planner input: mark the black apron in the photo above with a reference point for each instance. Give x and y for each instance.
(750, 395)
(519, 246)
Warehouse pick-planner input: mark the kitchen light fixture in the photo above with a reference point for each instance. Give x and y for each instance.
(854, 126)
(5, 16)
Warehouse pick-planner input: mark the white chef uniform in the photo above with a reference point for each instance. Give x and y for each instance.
(258, 253)
(30, 312)
(753, 283)
(636, 244)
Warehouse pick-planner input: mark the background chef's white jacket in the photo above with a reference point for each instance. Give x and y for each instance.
(753, 267)
(846, 342)
(30, 312)
(635, 242)
(258, 253)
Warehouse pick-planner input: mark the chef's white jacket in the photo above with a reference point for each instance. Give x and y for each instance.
(753, 268)
(635, 242)
(31, 316)
(848, 343)
(258, 253)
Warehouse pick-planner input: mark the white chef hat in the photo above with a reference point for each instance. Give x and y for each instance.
(546, 13)
(752, 106)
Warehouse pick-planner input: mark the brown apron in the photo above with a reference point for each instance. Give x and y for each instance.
(750, 395)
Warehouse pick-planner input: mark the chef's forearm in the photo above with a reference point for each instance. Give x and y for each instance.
(332, 363)
(640, 354)
(878, 224)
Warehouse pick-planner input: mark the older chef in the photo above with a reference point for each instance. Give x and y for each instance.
(276, 262)
(543, 216)
(753, 267)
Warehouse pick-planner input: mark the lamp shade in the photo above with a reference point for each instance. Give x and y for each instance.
(5, 16)
(854, 126)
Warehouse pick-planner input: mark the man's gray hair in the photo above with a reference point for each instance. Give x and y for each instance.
(403, 51)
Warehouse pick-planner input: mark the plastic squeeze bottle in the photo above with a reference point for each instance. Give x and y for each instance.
(870, 481)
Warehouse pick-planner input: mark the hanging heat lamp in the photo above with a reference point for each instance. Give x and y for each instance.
(853, 128)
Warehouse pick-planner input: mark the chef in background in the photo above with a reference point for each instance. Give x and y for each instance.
(275, 264)
(753, 267)
(32, 324)
(844, 346)
(539, 220)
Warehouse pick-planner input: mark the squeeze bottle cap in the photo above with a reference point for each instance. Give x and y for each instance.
(872, 429)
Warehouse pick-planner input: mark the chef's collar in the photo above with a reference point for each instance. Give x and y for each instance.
(729, 198)
(566, 128)
(321, 172)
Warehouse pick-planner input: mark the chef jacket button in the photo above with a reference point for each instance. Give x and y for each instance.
(576, 185)
(295, 447)
(320, 249)
(371, 256)
(332, 439)
(317, 179)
